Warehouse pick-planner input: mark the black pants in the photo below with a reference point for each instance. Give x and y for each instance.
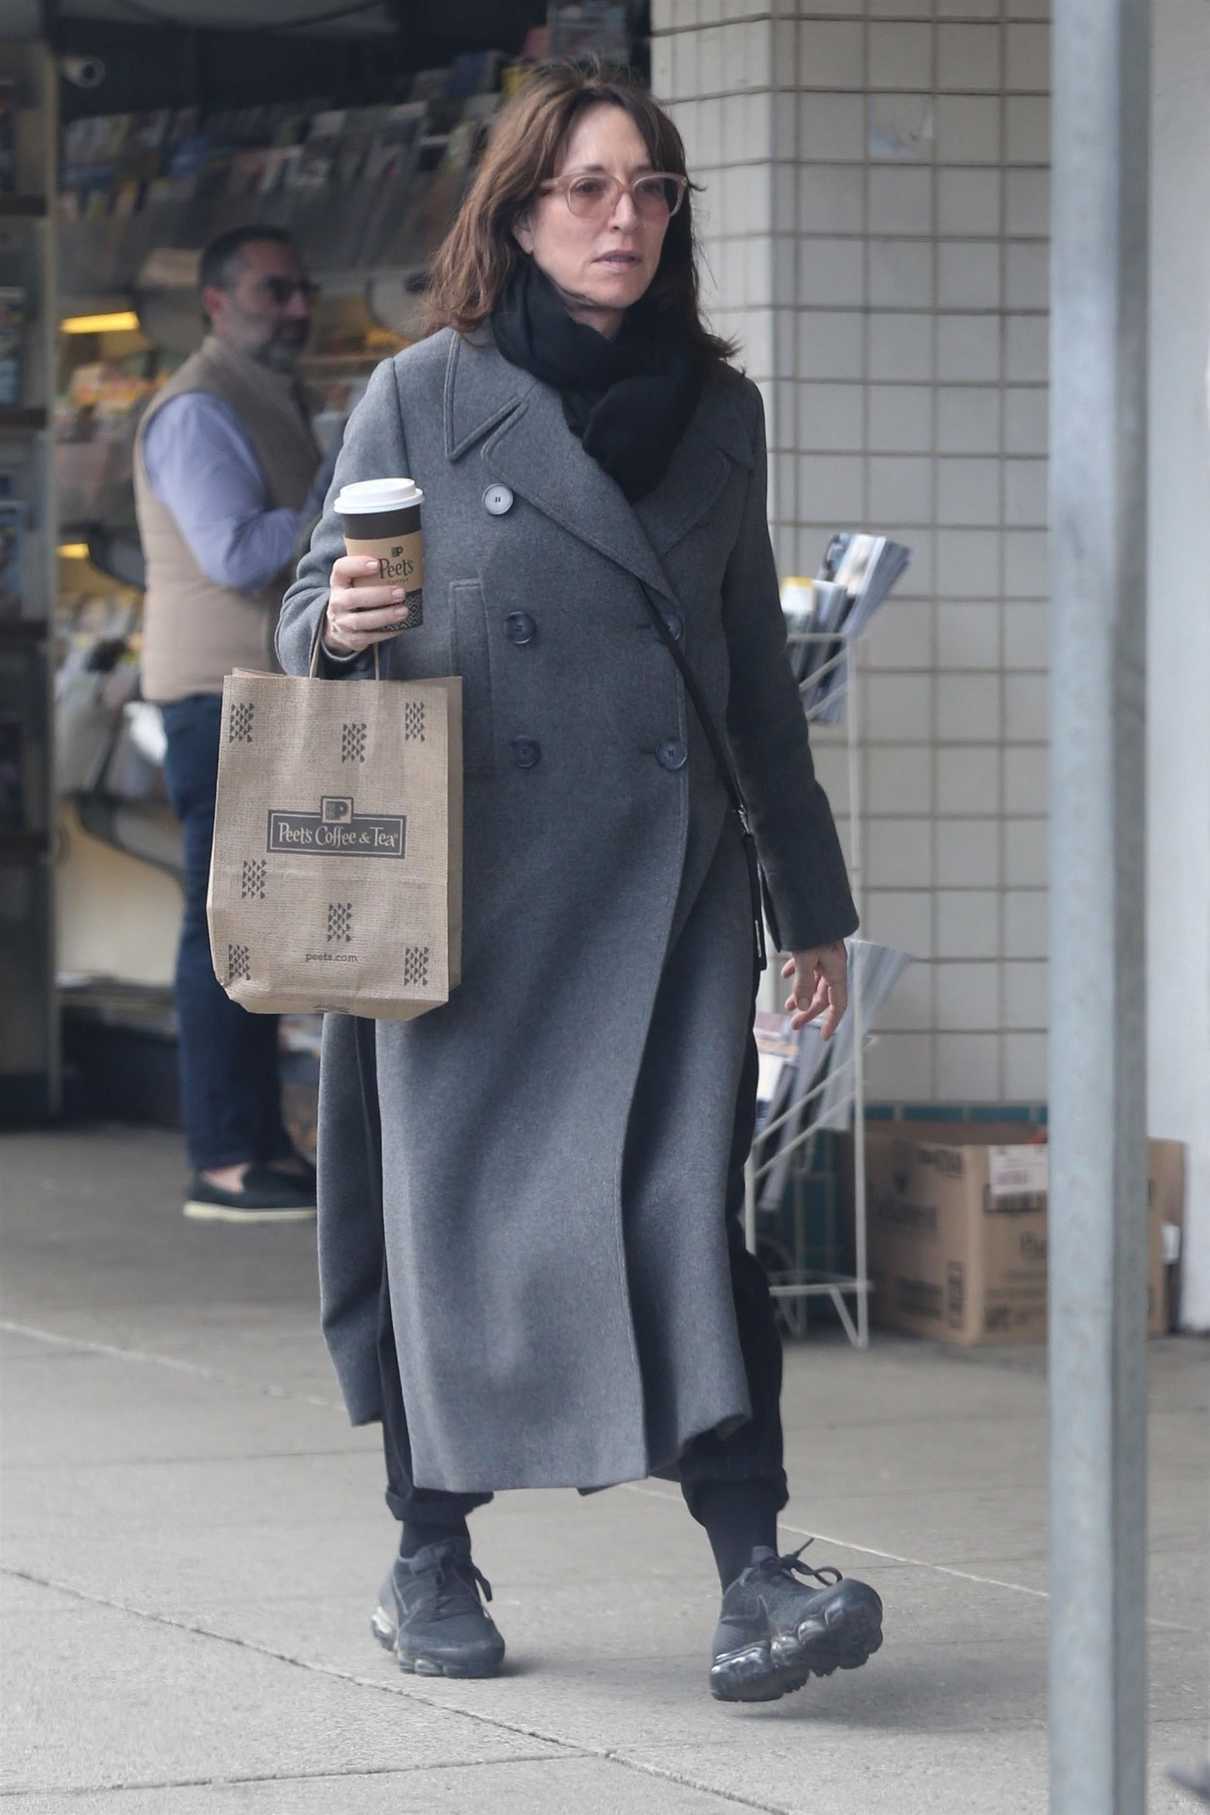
(753, 1452)
(230, 1086)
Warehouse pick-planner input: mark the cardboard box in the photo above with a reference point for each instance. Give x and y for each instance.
(957, 1219)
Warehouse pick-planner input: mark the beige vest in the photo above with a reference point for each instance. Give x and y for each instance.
(194, 631)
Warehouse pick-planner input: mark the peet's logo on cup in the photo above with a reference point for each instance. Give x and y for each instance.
(338, 830)
(396, 565)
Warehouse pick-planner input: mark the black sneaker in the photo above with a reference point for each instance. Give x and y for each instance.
(774, 1632)
(430, 1615)
(264, 1197)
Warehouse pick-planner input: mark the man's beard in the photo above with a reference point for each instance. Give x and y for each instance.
(282, 351)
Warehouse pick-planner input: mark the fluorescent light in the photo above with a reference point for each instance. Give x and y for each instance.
(73, 551)
(116, 322)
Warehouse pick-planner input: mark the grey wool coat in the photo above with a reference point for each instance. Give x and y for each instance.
(555, 1140)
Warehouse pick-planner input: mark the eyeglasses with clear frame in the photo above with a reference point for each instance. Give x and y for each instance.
(593, 195)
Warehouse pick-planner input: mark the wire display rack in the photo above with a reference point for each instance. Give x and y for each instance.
(848, 1291)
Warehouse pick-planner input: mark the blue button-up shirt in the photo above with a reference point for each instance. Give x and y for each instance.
(200, 465)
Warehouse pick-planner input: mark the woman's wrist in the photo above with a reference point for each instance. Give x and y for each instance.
(337, 653)
(333, 644)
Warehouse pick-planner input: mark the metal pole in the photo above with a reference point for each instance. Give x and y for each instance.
(1097, 1040)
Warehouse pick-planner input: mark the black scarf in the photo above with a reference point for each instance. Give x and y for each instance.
(629, 400)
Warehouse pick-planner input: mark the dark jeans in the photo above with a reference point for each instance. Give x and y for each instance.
(230, 1087)
(751, 1453)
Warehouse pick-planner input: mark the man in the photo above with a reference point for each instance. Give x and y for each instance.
(227, 478)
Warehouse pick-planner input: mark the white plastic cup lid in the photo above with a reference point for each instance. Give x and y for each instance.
(368, 496)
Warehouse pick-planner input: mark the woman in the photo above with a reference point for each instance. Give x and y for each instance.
(531, 1259)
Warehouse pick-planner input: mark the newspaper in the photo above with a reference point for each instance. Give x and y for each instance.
(855, 577)
(808, 1079)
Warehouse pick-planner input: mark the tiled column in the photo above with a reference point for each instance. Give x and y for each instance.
(713, 62)
(876, 228)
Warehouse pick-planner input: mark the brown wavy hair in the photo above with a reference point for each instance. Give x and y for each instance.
(479, 253)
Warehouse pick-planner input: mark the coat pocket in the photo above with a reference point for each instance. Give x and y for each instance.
(473, 661)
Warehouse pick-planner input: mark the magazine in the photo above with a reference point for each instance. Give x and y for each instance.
(823, 615)
(813, 1087)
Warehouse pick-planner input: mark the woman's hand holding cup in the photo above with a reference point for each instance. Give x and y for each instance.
(377, 586)
(362, 608)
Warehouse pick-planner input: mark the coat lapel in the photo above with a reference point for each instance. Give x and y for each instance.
(527, 446)
(714, 443)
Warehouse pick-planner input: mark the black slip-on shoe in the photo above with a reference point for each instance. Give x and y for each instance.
(430, 1615)
(299, 1171)
(774, 1631)
(264, 1197)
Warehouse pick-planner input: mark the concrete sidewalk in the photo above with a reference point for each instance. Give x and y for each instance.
(193, 1536)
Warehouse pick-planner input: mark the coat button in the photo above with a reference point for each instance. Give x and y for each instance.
(527, 752)
(671, 754)
(675, 625)
(520, 627)
(496, 500)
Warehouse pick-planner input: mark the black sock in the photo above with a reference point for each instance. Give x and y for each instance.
(739, 1517)
(415, 1537)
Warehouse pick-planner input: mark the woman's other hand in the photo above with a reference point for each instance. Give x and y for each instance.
(819, 981)
(360, 611)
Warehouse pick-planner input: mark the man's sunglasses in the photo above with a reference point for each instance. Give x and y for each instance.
(283, 290)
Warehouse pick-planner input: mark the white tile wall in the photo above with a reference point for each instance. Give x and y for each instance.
(968, 1068)
(831, 197)
(1025, 627)
(968, 491)
(900, 1068)
(899, 853)
(830, 54)
(876, 225)
(907, 638)
(968, 708)
(896, 917)
(900, 56)
(901, 199)
(831, 417)
(969, 636)
(900, 417)
(968, 997)
(969, 779)
(968, 200)
(899, 346)
(830, 344)
(900, 489)
(1024, 996)
(968, 129)
(1024, 1067)
(900, 274)
(909, 1007)
(969, 419)
(899, 779)
(1025, 923)
(968, 923)
(967, 853)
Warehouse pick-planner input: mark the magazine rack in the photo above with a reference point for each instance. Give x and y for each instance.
(849, 1292)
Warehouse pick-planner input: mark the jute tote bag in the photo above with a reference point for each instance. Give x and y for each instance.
(336, 879)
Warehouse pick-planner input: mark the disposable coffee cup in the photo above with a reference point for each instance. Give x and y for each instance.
(381, 518)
